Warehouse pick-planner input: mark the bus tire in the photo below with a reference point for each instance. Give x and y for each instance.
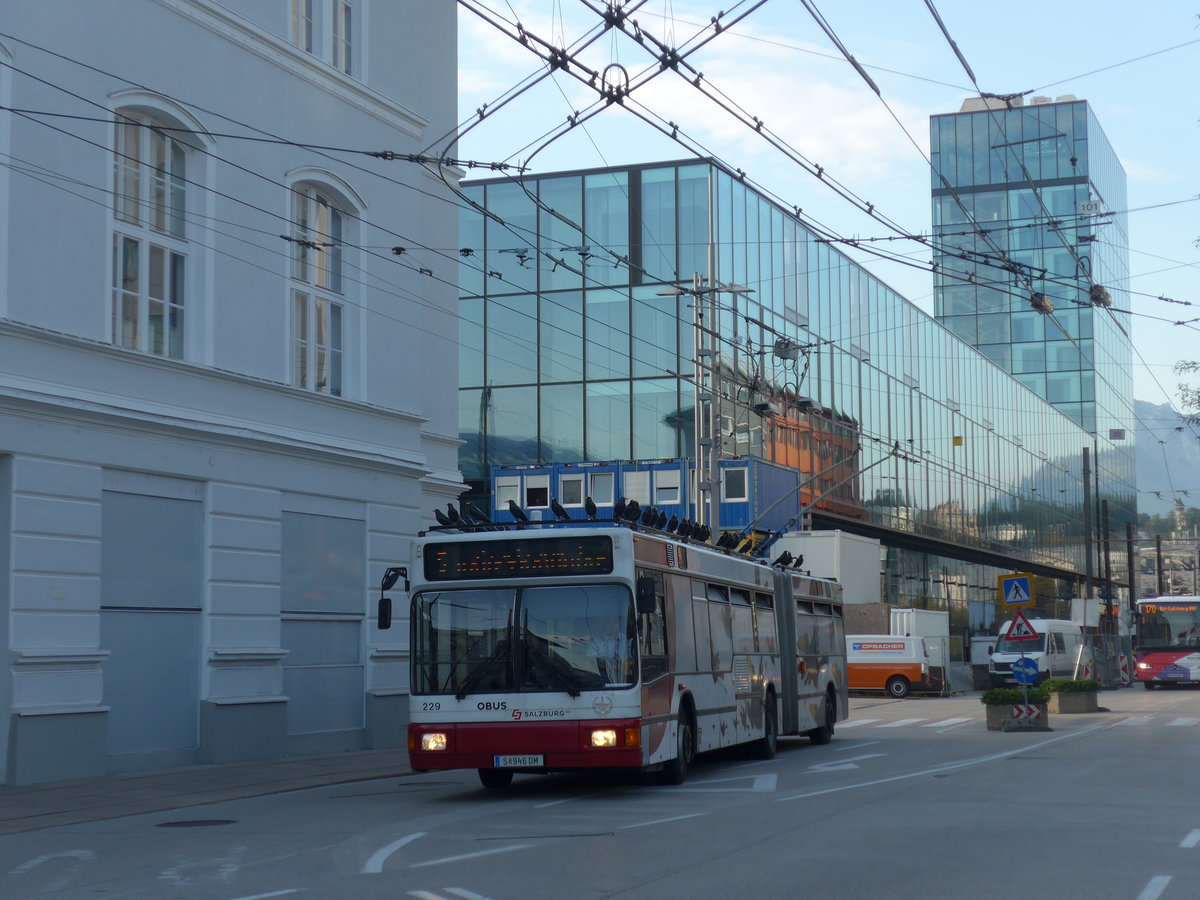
(1149, 685)
(898, 687)
(495, 778)
(824, 734)
(675, 771)
(765, 746)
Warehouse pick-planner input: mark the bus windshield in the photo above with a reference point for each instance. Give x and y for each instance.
(1166, 623)
(535, 639)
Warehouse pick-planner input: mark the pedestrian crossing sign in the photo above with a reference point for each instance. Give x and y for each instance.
(1016, 590)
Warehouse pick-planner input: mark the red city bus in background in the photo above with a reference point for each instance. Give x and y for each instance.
(1167, 641)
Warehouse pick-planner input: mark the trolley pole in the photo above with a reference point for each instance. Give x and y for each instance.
(1133, 574)
(1159, 563)
(1087, 530)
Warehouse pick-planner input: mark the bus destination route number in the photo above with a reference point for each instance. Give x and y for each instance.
(519, 559)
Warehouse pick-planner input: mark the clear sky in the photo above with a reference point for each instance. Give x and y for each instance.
(781, 66)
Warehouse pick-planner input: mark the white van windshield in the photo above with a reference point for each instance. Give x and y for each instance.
(1004, 645)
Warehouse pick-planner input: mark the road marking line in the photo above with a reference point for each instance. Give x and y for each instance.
(758, 784)
(844, 747)
(661, 821)
(271, 894)
(1182, 722)
(1133, 720)
(1157, 885)
(425, 895)
(840, 764)
(465, 894)
(446, 859)
(946, 722)
(554, 802)
(38, 860)
(855, 723)
(374, 865)
(947, 767)
(900, 722)
(1191, 840)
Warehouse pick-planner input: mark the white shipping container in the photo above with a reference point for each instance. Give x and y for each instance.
(850, 558)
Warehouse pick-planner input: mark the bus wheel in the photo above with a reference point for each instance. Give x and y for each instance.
(898, 686)
(1149, 685)
(495, 778)
(675, 771)
(824, 734)
(764, 747)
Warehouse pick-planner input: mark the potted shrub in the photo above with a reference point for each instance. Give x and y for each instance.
(1001, 712)
(1071, 696)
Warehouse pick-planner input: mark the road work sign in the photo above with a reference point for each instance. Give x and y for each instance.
(1021, 629)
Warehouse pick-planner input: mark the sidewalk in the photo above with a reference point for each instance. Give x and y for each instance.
(133, 793)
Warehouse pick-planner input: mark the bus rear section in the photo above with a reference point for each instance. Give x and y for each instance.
(1167, 643)
(891, 663)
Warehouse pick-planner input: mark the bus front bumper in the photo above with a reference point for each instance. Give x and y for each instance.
(587, 743)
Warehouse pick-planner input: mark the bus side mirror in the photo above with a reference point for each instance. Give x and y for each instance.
(647, 600)
(390, 577)
(990, 650)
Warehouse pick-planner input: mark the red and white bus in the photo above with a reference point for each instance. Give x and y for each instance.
(549, 648)
(1167, 644)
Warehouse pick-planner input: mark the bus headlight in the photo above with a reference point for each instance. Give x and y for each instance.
(1143, 665)
(604, 737)
(433, 740)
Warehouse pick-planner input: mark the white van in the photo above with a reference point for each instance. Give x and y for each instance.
(887, 662)
(1060, 652)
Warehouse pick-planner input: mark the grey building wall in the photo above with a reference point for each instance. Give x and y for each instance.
(188, 539)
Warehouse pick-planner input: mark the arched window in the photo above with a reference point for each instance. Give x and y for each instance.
(149, 235)
(317, 295)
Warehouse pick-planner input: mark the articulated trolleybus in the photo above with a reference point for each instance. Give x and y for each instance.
(551, 647)
(1167, 649)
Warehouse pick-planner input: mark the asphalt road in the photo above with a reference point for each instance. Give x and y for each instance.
(913, 799)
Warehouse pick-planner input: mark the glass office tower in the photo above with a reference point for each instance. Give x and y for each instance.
(571, 351)
(1030, 200)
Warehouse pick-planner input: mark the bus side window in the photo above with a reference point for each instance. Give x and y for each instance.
(652, 629)
(704, 650)
(743, 620)
(720, 627)
(764, 620)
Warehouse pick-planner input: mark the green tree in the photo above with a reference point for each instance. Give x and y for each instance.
(1189, 395)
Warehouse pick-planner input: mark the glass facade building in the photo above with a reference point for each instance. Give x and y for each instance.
(1031, 199)
(570, 351)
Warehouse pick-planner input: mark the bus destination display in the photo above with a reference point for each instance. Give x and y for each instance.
(519, 559)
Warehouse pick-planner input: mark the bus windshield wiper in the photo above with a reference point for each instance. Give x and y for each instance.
(553, 666)
(478, 672)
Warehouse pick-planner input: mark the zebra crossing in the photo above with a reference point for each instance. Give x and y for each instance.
(1130, 721)
(953, 722)
(1178, 722)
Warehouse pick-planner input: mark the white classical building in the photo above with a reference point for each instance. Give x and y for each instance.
(227, 372)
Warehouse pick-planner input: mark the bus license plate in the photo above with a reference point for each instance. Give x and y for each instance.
(529, 760)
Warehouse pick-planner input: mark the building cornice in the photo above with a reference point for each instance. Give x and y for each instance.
(47, 393)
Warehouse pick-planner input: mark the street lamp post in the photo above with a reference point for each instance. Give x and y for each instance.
(706, 383)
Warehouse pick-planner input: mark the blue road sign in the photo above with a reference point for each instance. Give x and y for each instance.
(1025, 670)
(1016, 590)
